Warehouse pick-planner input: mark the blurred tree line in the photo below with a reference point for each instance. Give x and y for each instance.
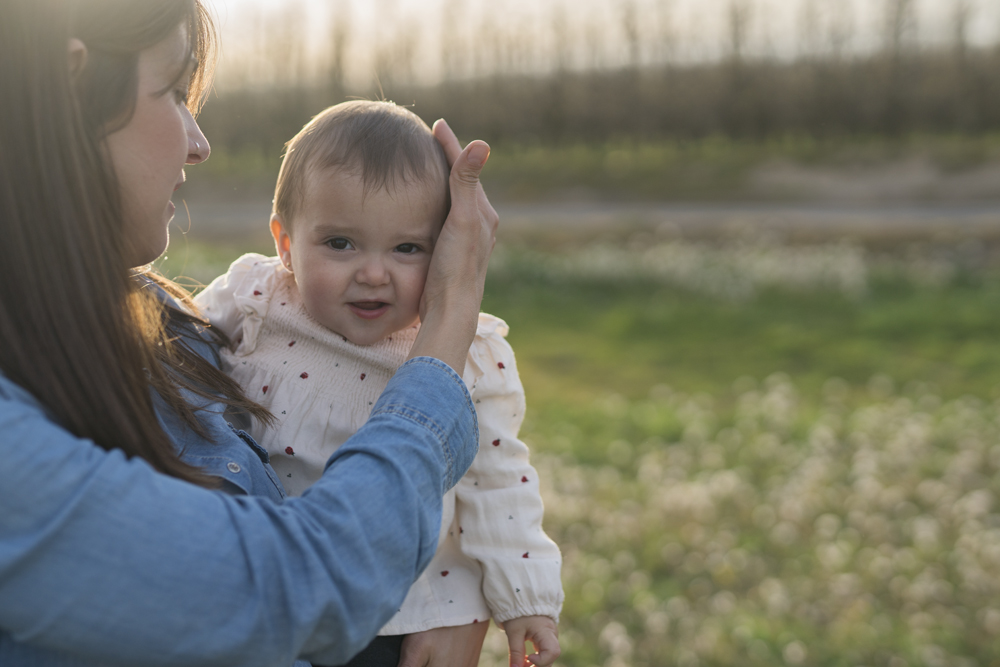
(512, 86)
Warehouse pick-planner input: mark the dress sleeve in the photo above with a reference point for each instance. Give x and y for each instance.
(498, 505)
(105, 560)
(236, 302)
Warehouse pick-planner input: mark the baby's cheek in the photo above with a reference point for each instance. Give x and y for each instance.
(320, 302)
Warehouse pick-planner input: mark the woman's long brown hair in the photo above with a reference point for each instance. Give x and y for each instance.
(82, 332)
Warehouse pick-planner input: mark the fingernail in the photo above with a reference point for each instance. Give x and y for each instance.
(478, 154)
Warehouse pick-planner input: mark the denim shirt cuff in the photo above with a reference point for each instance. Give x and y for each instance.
(430, 393)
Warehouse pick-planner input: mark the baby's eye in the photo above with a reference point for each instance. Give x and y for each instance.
(339, 243)
(408, 248)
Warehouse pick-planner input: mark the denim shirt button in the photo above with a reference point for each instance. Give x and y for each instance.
(233, 467)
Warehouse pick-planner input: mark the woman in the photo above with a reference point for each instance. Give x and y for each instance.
(137, 526)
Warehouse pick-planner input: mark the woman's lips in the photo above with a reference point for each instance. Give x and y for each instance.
(368, 310)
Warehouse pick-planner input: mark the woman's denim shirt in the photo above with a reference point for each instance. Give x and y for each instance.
(242, 464)
(104, 561)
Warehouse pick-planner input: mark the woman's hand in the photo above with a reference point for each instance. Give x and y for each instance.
(543, 634)
(449, 308)
(459, 646)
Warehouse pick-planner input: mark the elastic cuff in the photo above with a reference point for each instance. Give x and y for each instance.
(528, 610)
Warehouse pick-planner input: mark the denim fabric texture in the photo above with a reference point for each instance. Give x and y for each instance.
(104, 561)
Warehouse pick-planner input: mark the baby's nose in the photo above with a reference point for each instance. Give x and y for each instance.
(373, 272)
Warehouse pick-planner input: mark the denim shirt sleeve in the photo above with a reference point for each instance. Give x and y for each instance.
(107, 561)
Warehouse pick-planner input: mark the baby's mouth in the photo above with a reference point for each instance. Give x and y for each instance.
(368, 305)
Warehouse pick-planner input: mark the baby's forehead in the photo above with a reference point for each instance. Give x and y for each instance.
(351, 178)
(341, 192)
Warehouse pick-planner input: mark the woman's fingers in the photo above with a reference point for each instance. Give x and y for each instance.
(443, 133)
(469, 232)
(467, 167)
(464, 174)
(466, 191)
(456, 278)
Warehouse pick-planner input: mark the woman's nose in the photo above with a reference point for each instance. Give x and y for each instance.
(198, 148)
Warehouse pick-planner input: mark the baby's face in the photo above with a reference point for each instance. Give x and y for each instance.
(360, 262)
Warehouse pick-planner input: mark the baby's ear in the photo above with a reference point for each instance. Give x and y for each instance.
(282, 240)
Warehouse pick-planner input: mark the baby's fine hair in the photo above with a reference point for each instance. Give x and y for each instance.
(382, 142)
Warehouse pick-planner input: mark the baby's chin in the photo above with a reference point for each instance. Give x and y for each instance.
(369, 340)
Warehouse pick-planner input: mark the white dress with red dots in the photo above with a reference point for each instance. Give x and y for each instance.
(493, 558)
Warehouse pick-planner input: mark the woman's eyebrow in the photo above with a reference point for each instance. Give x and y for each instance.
(184, 73)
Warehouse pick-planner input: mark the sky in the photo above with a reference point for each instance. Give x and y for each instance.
(698, 28)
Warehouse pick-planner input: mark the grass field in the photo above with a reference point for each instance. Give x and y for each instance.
(758, 455)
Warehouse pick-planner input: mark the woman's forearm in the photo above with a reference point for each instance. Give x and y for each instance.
(108, 561)
(447, 334)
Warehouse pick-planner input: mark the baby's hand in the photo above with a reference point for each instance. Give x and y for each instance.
(543, 634)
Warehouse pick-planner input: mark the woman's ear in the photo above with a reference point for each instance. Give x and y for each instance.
(282, 241)
(76, 55)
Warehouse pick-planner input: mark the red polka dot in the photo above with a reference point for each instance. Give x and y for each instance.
(265, 388)
(525, 555)
(289, 451)
(284, 303)
(304, 376)
(500, 365)
(363, 376)
(524, 479)
(444, 573)
(291, 344)
(496, 443)
(256, 293)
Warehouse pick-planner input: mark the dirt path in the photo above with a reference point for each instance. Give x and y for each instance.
(244, 220)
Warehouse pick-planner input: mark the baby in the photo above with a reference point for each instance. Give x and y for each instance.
(320, 329)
